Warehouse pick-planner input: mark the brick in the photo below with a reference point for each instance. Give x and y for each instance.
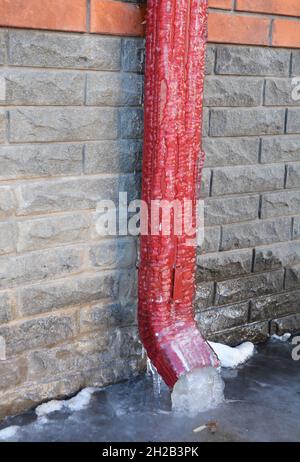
(243, 60)
(133, 55)
(221, 152)
(233, 180)
(211, 241)
(36, 234)
(114, 253)
(224, 265)
(288, 324)
(245, 122)
(73, 194)
(7, 201)
(104, 316)
(131, 123)
(293, 176)
(288, 7)
(6, 305)
(64, 124)
(69, 15)
(27, 88)
(39, 332)
(122, 156)
(18, 162)
(222, 4)
(296, 228)
(280, 203)
(8, 237)
(117, 18)
(2, 47)
(256, 332)
(2, 126)
(222, 318)
(236, 290)
(224, 28)
(266, 308)
(79, 290)
(23, 269)
(233, 91)
(204, 295)
(230, 210)
(292, 279)
(286, 33)
(12, 372)
(44, 49)
(83, 355)
(296, 63)
(293, 121)
(277, 256)
(205, 122)
(205, 183)
(259, 232)
(210, 54)
(280, 149)
(279, 92)
(114, 89)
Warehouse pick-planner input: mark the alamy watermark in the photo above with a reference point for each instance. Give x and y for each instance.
(159, 218)
(296, 349)
(296, 89)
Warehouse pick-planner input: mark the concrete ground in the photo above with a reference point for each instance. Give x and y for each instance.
(262, 404)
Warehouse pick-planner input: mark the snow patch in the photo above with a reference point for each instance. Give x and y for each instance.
(233, 357)
(9, 432)
(79, 402)
(198, 391)
(48, 408)
(281, 338)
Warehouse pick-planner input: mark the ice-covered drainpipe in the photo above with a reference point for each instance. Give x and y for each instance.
(174, 75)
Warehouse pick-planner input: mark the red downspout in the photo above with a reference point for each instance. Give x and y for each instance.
(175, 55)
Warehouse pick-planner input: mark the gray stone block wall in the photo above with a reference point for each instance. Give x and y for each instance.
(70, 135)
(248, 272)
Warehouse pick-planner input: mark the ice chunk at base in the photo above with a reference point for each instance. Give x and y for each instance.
(198, 391)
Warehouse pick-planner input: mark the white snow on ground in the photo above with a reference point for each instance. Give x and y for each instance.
(47, 408)
(282, 338)
(8, 432)
(233, 357)
(79, 402)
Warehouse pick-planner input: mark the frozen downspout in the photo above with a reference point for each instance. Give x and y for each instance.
(175, 55)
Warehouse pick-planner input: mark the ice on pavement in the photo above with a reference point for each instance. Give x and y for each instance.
(77, 403)
(198, 391)
(9, 432)
(233, 357)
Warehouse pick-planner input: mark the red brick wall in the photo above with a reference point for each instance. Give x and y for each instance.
(254, 22)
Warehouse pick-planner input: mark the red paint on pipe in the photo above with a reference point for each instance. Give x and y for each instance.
(175, 55)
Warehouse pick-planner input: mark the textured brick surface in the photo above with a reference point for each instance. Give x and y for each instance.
(117, 18)
(69, 15)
